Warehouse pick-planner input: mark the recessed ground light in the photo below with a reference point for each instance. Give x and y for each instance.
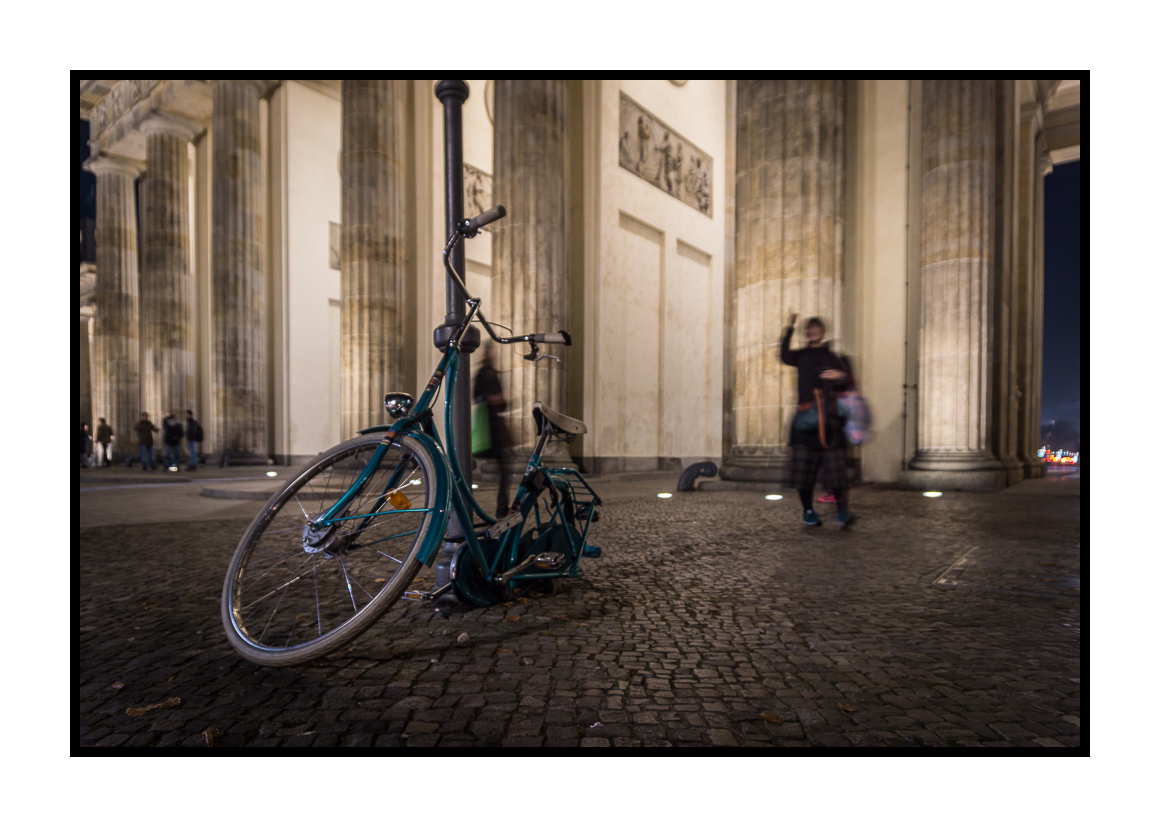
(664, 495)
(271, 473)
(416, 482)
(932, 493)
(473, 485)
(773, 496)
(171, 468)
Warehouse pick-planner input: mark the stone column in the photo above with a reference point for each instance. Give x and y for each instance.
(791, 188)
(957, 283)
(116, 353)
(167, 368)
(530, 250)
(1029, 289)
(238, 282)
(84, 361)
(84, 369)
(373, 256)
(1035, 374)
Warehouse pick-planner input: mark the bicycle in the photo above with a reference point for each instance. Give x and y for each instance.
(311, 572)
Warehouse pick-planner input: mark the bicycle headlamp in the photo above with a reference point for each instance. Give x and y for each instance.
(398, 404)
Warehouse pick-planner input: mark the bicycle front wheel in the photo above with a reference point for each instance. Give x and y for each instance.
(296, 590)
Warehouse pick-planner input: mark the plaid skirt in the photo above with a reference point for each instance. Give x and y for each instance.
(807, 462)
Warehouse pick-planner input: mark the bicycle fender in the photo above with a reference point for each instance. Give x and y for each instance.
(433, 540)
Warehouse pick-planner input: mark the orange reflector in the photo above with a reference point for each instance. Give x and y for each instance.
(398, 500)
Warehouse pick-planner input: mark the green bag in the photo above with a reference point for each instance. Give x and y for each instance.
(480, 431)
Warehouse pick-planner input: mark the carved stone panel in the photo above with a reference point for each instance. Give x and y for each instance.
(477, 194)
(654, 151)
(335, 246)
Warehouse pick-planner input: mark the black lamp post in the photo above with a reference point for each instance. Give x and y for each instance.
(452, 94)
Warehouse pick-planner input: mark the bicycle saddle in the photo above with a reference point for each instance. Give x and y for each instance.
(567, 424)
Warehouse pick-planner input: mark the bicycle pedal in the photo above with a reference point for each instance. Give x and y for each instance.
(550, 560)
(418, 595)
(591, 551)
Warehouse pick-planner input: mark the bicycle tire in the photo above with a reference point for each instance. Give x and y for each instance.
(331, 551)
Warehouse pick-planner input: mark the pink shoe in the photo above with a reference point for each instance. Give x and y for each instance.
(827, 498)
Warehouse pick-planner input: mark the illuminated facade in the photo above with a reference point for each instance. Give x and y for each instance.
(278, 266)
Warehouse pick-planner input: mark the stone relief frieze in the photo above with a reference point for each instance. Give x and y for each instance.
(654, 151)
(335, 246)
(121, 99)
(477, 192)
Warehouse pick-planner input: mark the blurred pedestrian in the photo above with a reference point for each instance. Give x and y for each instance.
(489, 391)
(817, 435)
(86, 445)
(172, 436)
(145, 431)
(193, 437)
(104, 444)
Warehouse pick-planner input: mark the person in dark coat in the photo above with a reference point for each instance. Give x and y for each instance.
(817, 435)
(193, 437)
(145, 430)
(86, 445)
(172, 436)
(104, 443)
(488, 390)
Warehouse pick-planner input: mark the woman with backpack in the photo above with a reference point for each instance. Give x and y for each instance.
(817, 435)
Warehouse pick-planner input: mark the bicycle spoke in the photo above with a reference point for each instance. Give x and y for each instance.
(276, 588)
(348, 588)
(317, 603)
(267, 626)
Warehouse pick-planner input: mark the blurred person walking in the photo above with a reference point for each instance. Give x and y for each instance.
(489, 391)
(86, 445)
(817, 434)
(193, 437)
(172, 438)
(145, 431)
(104, 444)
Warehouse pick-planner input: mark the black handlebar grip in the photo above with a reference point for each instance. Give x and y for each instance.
(560, 338)
(471, 226)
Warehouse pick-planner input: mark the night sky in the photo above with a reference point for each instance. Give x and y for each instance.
(1064, 293)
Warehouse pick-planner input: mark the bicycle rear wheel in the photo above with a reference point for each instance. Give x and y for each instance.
(295, 591)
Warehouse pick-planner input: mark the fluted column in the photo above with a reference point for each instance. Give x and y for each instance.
(530, 253)
(116, 354)
(957, 282)
(1029, 288)
(88, 284)
(1035, 373)
(238, 283)
(791, 186)
(167, 367)
(84, 369)
(372, 253)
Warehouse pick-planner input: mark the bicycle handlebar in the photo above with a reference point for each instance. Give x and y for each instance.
(466, 229)
(470, 226)
(560, 338)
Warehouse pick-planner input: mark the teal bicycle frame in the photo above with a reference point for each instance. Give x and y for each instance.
(495, 557)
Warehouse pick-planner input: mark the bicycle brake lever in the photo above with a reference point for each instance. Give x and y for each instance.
(543, 356)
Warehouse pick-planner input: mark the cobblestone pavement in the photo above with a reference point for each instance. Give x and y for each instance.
(712, 619)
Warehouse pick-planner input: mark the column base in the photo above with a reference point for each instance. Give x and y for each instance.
(956, 471)
(1033, 468)
(240, 458)
(771, 469)
(598, 466)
